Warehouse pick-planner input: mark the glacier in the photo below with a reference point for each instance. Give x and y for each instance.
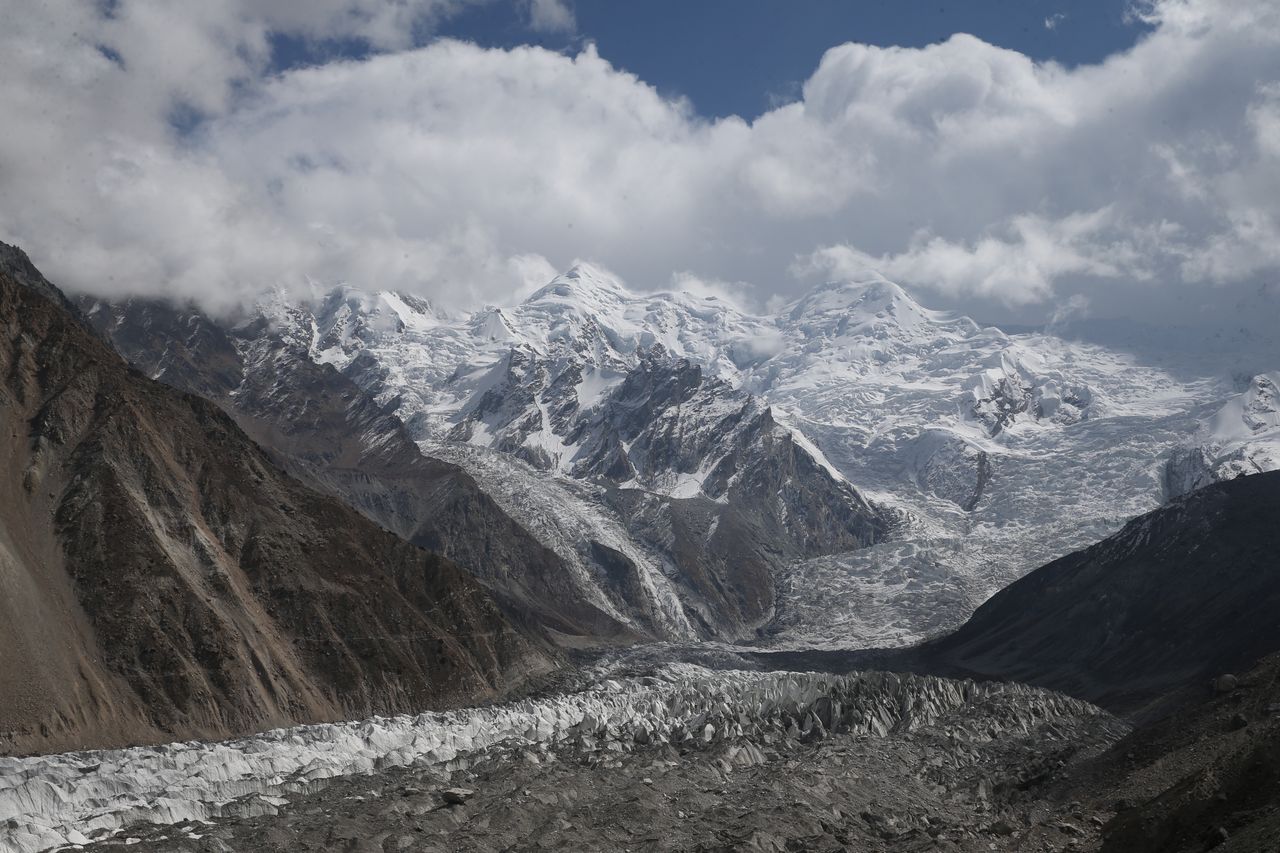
(54, 801)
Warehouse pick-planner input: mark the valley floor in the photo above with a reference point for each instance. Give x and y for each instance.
(640, 754)
(660, 756)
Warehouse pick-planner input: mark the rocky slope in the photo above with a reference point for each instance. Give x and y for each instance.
(163, 578)
(1207, 776)
(1136, 621)
(329, 433)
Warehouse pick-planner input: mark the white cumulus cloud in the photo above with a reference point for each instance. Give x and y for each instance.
(551, 16)
(1149, 182)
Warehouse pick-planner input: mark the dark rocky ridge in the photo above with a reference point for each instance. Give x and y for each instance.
(764, 502)
(18, 266)
(163, 578)
(1174, 598)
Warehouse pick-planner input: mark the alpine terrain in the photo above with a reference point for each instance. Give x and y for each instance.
(493, 426)
(667, 523)
(853, 469)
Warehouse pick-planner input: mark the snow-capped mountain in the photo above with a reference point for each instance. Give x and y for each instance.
(691, 460)
(667, 496)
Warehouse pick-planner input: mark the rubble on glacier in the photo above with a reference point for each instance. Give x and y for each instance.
(51, 801)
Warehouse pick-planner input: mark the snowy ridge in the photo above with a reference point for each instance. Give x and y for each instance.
(570, 519)
(1254, 413)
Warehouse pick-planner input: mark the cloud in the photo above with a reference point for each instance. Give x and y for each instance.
(738, 294)
(1073, 308)
(1147, 183)
(551, 16)
(531, 272)
(1052, 22)
(1016, 264)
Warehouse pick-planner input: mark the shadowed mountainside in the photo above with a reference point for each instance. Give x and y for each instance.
(1174, 598)
(328, 432)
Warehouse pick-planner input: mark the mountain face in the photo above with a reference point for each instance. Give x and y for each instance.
(163, 578)
(869, 470)
(994, 453)
(1174, 599)
(622, 459)
(326, 431)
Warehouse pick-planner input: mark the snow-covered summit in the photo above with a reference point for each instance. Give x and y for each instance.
(582, 286)
(874, 308)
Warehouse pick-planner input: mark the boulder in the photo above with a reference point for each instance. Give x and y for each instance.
(456, 796)
(1225, 683)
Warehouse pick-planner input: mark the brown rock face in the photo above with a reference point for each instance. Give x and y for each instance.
(161, 577)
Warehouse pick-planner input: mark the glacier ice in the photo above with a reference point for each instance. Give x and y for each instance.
(55, 800)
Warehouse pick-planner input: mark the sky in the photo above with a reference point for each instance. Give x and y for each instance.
(744, 57)
(1019, 161)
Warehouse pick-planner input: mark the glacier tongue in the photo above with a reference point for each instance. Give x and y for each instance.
(48, 802)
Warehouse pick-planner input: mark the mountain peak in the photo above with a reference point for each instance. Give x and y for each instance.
(872, 307)
(17, 265)
(872, 292)
(855, 305)
(1252, 412)
(583, 283)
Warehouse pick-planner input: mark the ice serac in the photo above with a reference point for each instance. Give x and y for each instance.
(1015, 387)
(165, 578)
(1000, 451)
(1242, 437)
